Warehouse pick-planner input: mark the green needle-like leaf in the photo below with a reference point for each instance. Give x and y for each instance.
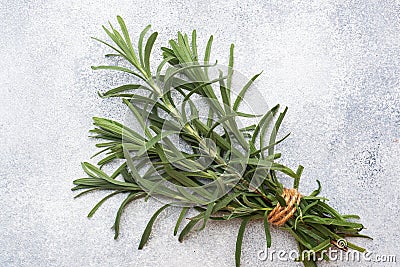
(242, 93)
(95, 208)
(130, 198)
(275, 131)
(147, 51)
(266, 229)
(239, 240)
(180, 218)
(140, 43)
(188, 228)
(147, 231)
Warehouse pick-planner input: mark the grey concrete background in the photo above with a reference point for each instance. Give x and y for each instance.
(334, 63)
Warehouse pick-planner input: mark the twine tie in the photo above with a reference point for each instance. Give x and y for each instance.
(280, 215)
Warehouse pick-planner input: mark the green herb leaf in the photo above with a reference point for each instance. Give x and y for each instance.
(147, 231)
(239, 240)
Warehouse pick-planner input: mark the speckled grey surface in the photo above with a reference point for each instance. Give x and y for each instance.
(335, 64)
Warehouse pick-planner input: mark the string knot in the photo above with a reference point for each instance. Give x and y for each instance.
(280, 215)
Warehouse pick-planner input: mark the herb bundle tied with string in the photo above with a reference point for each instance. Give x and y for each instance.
(209, 163)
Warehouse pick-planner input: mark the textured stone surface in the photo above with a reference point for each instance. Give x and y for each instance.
(335, 64)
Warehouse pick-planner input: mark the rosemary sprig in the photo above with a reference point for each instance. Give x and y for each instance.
(228, 172)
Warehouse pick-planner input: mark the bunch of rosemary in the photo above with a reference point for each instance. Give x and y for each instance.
(222, 170)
